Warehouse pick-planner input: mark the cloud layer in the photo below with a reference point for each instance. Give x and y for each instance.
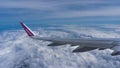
(17, 50)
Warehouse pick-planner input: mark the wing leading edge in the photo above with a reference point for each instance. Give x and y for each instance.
(84, 44)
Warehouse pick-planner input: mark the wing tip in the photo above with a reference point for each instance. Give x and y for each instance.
(27, 29)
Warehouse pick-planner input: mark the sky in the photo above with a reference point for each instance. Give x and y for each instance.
(17, 52)
(59, 12)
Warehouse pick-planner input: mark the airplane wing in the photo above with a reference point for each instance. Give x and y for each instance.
(84, 44)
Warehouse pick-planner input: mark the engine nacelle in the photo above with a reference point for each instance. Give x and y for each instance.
(115, 53)
(116, 50)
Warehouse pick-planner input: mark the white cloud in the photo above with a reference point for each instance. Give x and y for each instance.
(18, 50)
(40, 9)
(37, 4)
(26, 5)
(108, 11)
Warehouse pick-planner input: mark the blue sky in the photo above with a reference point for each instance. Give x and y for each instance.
(59, 11)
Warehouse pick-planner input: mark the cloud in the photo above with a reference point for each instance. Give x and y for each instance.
(17, 52)
(108, 11)
(26, 5)
(50, 10)
(44, 5)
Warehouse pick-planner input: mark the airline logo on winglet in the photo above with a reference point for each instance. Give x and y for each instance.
(28, 31)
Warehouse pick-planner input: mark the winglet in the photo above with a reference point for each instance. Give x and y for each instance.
(27, 29)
